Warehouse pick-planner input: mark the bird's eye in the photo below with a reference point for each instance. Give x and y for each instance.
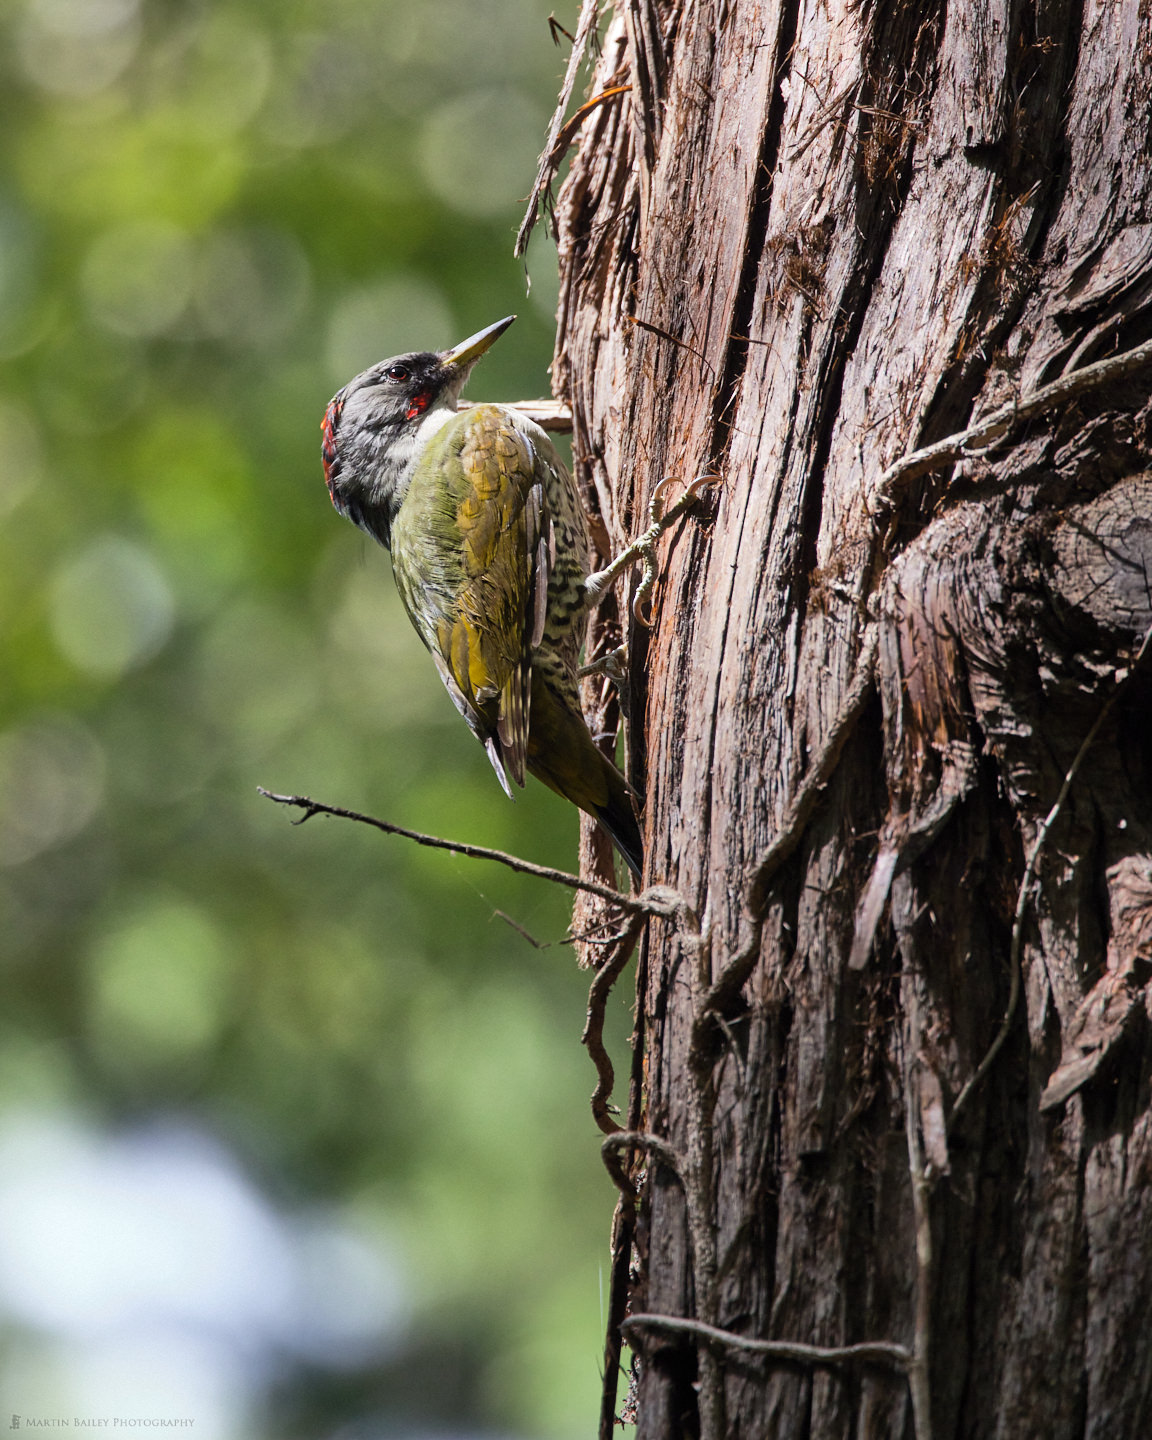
(397, 372)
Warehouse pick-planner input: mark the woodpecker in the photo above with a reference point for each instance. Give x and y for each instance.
(490, 554)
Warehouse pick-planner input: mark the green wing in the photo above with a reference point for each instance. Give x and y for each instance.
(472, 549)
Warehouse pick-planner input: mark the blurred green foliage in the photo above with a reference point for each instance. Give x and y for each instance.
(211, 215)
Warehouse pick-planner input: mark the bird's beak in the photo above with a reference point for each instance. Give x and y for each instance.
(470, 350)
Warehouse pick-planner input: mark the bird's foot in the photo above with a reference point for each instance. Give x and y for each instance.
(643, 549)
(614, 665)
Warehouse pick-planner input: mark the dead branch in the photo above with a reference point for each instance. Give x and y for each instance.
(633, 904)
(552, 415)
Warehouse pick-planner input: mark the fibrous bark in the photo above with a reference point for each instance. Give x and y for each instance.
(807, 240)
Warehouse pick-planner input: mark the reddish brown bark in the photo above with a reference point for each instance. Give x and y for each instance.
(808, 240)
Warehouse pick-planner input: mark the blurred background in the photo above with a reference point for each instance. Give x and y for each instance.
(294, 1135)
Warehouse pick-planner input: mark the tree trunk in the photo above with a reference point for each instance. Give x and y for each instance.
(802, 244)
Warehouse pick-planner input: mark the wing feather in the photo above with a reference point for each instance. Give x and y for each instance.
(483, 616)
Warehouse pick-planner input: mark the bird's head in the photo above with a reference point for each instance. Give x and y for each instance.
(376, 426)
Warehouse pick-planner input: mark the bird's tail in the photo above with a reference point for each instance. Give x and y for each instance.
(619, 819)
(562, 754)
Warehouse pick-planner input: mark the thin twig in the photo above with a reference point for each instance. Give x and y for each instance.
(593, 1036)
(823, 115)
(889, 115)
(520, 930)
(634, 904)
(675, 339)
(557, 30)
(1028, 881)
(877, 1352)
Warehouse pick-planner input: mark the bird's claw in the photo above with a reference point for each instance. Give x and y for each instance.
(643, 548)
(613, 665)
